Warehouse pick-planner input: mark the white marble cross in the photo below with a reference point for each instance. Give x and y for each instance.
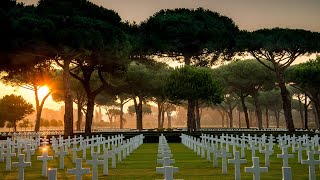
(61, 154)
(94, 163)
(8, 156)
(165, 154)
(267, 153)
(84, 150)
(237, 163)
(74, 151)
(242, 146)
(45, 141)
(311, 162)
(105, 156)
(285, 156)
(79, 171)
(19, 147)
(253, 149)
(28, 152)
(256, 169)
(300, 148)
(44, 158)
(224, 155)
(167, 171)
(21, 165)
(2, 152)
(215, 153)
(166, 161)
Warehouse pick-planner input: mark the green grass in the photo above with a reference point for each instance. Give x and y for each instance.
(141, 164)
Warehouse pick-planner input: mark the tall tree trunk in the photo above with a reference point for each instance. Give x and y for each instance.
(140, 113)
(277, 116)
(79, 110)
(14, 126)
(230, 114)
(239, 113)
(286, 101)
(306, 111)
(162, 119)
(316, 103)
(191, 104)
(197, 115)
(251, 119)
(138, 108)
(222, 114)
(89, 114)
(38, 112)
(267, 117)
(258, 110)
(121, 113)
(315, 115)
(245, 110)
(190, 116)
(301, 111)
(160, 109)
(39, 107)
(169, 119)
(68, 111)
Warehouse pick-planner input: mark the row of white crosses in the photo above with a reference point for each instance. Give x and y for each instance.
(165, 155)
(8, 147)
(264, 144)
(130, 145)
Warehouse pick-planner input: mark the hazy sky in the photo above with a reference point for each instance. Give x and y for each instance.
(247, 14)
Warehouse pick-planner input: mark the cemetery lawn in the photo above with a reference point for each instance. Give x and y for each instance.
(141, 164)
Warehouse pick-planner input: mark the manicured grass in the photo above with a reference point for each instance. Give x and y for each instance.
(141, 164)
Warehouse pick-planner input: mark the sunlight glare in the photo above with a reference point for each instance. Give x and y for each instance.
(43, 91)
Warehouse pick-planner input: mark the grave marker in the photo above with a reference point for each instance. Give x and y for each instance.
(256, 169)
(79, 171)
(21, 165)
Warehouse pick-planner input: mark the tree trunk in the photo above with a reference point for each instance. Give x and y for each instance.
(121, 114)
(239, 113)
(160, 109)
(222, 114)
(38, 111)
(190, 116)
(68, 112)
(306, 112)
(169, 119)
(162, 119)
(286, 101)
(230, 114)
(315, 115)
(258, 110)
(277, 116)
(197, 115)
(267, 117)
(301, 111)
(79, 116)
(316, 103)
(14, 126)
(245, 110)
(138, 108)
(89, 114)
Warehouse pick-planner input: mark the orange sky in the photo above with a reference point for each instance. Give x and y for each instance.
(247, 14)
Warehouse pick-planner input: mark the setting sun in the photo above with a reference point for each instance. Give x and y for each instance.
(43, 91)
